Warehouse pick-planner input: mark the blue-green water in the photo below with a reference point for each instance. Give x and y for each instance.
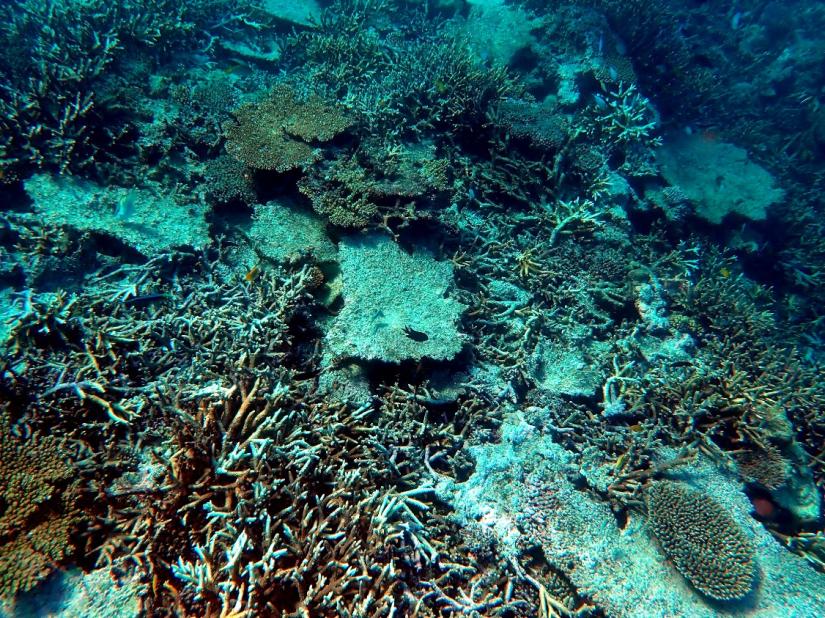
(495, 308)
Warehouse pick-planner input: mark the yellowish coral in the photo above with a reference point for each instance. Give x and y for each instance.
(276, 134)
(702, 540)
(35, 474)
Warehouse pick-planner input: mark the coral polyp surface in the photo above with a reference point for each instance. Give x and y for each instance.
(278, 133)
(703, 541)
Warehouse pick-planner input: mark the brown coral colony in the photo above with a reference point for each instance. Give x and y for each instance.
(278, 133)
(704, 542)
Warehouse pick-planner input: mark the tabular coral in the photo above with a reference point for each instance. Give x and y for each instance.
(537, 123)
(227, 180)
(275, 134)
(351, 189)
(704, 542)
(615, 69)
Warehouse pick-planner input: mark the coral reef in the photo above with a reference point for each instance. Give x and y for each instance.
(426, 308)
(524, 492)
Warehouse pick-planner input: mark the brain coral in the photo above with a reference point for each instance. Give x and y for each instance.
(702, 540)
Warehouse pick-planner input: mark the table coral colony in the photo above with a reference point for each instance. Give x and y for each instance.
(412, 308)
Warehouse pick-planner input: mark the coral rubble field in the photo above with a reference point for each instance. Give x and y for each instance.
(412, 308)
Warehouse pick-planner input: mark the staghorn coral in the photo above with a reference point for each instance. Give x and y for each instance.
(276, 134)
(661, 54)
(279, 515)
(768, 393)
(261, 496)
(704, 542)
(627, 116)
(59, 106)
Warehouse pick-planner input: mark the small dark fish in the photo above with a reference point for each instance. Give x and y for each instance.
(415, 335)
(145, 300)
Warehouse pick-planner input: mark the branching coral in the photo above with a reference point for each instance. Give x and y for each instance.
(627, 116)
(57, 111)
(262, 496)
(106, 352)
(280, 514)
(745, 392)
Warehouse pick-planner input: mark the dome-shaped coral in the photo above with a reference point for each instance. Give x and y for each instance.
(704, 542)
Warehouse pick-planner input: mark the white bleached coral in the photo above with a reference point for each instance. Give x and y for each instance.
(149, 222)
(396, 306)
(719, 178)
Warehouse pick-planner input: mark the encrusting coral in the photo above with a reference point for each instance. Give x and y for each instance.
(704, 542)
